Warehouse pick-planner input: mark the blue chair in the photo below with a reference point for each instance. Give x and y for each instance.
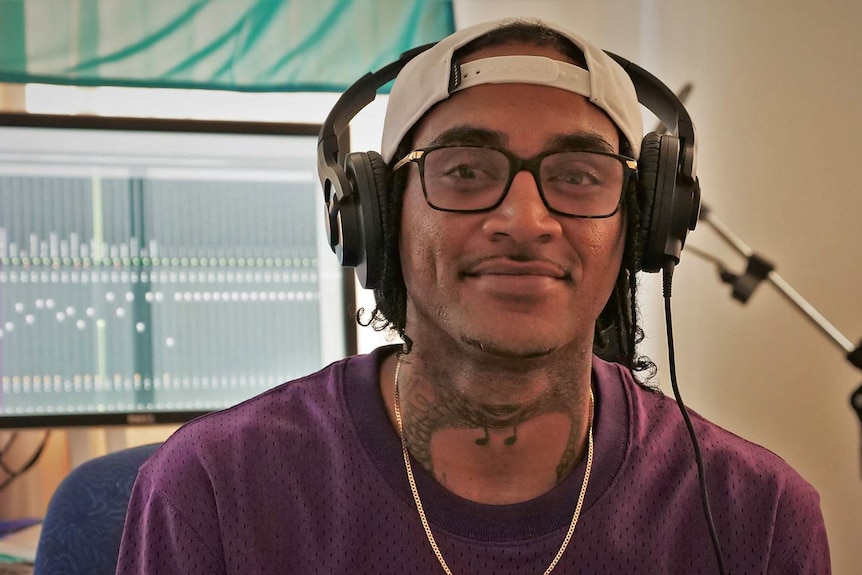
(84, 522)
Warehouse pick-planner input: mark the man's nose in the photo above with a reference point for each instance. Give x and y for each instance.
(523, 214)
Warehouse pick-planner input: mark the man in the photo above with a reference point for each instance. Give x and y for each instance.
(494, 441)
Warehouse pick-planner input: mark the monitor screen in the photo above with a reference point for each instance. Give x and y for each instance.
(154, 270)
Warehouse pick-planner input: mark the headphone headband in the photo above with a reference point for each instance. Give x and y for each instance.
(667, 107)
(652, 93)
(354, 99)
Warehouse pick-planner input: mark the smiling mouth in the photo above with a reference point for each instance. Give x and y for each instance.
(526, 269)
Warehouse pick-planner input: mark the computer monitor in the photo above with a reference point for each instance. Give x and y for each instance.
(152, 270)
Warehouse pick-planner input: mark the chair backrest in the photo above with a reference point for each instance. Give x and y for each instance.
(84, 522)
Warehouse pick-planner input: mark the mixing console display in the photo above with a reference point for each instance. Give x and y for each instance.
(186, 277)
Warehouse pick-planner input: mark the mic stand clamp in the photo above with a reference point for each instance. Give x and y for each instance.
(855, 356)
(757, 270)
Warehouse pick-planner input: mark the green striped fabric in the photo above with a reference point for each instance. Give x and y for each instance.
(244, 45)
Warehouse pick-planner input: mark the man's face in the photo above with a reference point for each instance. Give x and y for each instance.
(516, 281)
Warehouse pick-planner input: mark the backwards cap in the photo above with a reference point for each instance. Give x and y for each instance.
(432, 76)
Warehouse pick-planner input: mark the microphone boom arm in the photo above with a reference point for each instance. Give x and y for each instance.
(784, 288)
(759, 269)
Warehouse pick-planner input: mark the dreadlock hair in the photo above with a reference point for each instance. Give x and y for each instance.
(617, 330)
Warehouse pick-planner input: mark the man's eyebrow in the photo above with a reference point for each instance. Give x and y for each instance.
(470, 135)
(475, 136)
(583, 141)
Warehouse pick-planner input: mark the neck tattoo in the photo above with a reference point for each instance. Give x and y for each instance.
(421, 509)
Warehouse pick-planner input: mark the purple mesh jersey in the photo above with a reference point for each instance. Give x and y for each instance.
(308, 478)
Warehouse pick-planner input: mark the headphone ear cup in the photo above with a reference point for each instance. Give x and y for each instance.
(370, 179)
(656, 180)
(647, 170)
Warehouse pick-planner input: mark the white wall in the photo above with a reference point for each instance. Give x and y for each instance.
(775, 102)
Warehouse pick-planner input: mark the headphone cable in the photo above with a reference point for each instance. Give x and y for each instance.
(667, 279)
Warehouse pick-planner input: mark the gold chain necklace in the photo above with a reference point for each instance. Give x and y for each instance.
(421, 509)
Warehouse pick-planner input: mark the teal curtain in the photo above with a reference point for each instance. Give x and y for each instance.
(244, 45)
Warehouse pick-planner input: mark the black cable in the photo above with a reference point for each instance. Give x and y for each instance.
(667, 279)
(12, 473)
(6, 447)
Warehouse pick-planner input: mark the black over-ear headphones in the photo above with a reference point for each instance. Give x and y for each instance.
(355, 185)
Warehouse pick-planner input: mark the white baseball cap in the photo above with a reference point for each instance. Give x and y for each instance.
(431, 77)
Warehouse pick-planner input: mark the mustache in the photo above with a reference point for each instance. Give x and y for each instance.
(552, 266)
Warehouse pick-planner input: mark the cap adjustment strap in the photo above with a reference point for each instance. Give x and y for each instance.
(520, 70)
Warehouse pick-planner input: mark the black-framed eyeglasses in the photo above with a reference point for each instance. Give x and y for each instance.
(582, 184)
